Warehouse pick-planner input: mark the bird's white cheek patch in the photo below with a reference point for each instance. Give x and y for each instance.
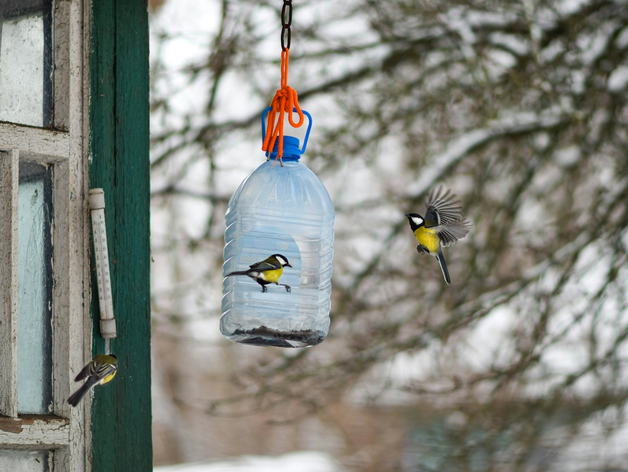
(417, 221)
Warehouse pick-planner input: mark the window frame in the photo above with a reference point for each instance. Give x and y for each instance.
(66, 431)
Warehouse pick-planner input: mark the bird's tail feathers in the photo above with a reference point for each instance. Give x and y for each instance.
(80, 393)
(238, 272)
(443, 265)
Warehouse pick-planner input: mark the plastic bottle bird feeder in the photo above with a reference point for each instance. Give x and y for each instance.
(282, 210)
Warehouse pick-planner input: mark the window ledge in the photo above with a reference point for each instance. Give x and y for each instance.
(34, 432)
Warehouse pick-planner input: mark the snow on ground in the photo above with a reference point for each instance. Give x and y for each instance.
(302, 461)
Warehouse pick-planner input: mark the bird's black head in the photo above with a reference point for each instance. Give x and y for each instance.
(283, 260)
(416, 221)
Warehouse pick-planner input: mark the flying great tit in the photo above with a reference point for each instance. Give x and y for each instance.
(442, 226)
(100, 370)
(267, 271)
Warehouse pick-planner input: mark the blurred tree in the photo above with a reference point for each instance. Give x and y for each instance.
(519, 107)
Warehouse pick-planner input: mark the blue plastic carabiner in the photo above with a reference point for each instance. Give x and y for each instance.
(307, 133)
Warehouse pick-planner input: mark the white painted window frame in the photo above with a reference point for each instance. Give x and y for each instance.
(67, 431)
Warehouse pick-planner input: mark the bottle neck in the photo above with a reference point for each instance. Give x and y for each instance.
(291, 149)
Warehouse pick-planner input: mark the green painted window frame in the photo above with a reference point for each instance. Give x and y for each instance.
(119, 163)
(98, 136)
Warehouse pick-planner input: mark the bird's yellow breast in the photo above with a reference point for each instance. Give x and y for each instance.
(272, 276)
(108, 378)
(428, 238)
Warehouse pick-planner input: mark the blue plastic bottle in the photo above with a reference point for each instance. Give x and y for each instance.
(279, 210)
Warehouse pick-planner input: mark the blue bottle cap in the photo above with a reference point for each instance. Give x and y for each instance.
(291, 149)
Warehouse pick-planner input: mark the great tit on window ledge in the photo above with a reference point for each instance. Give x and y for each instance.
(267, 271)
(100, 370)
(442, 226)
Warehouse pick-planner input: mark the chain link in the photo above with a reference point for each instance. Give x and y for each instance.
(286, 34)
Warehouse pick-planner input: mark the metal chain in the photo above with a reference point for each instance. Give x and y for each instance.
(286, 34)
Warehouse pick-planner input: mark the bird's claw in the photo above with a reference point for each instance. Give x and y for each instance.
(422, 249)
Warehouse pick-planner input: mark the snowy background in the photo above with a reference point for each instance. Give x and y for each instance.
(519, 108)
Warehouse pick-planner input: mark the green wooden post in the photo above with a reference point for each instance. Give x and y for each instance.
(119, 146)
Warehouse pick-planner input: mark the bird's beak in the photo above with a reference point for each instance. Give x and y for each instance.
(288, 264)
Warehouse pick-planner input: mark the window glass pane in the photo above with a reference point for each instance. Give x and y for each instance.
(25, 62)
(24, 461)
(34, 341)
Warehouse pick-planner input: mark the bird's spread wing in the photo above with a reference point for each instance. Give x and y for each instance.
(265, 265)
(443, 208)
(451, 232)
